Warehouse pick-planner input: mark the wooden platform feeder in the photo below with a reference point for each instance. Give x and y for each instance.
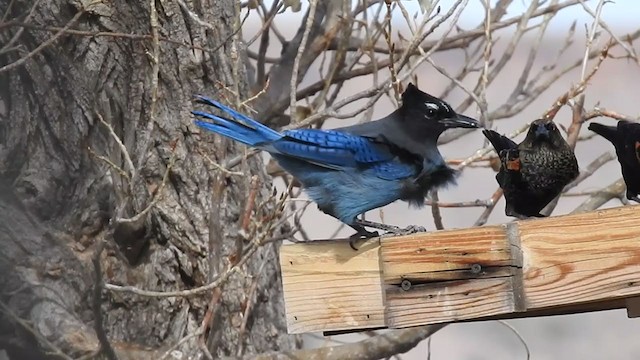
(558, 265)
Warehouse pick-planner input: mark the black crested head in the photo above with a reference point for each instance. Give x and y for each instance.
(427, 112)
(544, 132)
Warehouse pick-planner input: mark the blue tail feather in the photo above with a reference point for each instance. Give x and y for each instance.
(248, 132)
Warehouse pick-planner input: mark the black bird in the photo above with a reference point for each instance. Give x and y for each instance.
(351, 170)
(535, 171)
(626, 139)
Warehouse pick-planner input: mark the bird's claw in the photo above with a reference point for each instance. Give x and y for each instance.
(411, 229)
(361, 235)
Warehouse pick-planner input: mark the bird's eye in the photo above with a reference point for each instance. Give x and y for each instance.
(550, 126)
(432, 109)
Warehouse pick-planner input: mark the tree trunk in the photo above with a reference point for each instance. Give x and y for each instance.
(58, 200)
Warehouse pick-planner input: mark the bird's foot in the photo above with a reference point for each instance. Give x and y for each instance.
(635, 198)
(375, 225)
(361, 234)
(411, 229)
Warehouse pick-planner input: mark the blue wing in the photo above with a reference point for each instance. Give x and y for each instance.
(339, 150)
(326, 148)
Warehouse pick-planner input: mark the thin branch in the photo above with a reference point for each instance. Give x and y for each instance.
(517, 334)
(4, 308)
(123, 149)
(487, 212)
(105, 345)
(615, 190)
(115, 167)
(156, 196)
(296, 62)
(372, 348)
(435, 210)
(8, 46)
(43, 45)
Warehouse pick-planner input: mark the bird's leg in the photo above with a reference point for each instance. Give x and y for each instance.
(361, 233)
(375, 225)
(411, 229)
(391, 229)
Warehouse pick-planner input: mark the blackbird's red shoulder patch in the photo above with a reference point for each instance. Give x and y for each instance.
(513, 164)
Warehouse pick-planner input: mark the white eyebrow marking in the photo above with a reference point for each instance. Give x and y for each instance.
(447, 107)
(431, 106)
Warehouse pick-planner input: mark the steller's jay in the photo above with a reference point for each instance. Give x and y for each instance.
(625, 137)
(354, 169)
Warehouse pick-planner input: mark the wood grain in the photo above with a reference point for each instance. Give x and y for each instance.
(558, 265)
(329, 286)
(448, 276)
(581, 258)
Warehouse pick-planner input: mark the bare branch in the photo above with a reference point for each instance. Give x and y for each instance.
(373, 348)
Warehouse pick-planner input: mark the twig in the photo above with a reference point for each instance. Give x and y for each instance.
(249, 305)
(550, 113)
(524, 343)
(8, 46)
(486, 56)
(296, 62)
(95, 34)
(42, 46)
(596, 17)
(372, 348)
(190, 292)
(607, 113)
(435, 210)
(461, 204)
(123, 149)
(180, 343)
(590, 169)
(254, 245)
(117, 168)
(105, 345)
(220, 167)
(613, 191)
(485, 214)
(250, 204)
(156, 195)
(155, 73)
(4, 308)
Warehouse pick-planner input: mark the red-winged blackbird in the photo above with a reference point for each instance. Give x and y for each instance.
(535, 171)
(626, 139)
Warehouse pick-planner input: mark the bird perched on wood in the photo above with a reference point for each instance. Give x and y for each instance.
(535, 171)
(351, 170)
(626, 139)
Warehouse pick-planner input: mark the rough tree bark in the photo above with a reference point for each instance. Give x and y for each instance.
(58, 201)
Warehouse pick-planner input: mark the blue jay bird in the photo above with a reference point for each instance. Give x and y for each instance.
(351, 170)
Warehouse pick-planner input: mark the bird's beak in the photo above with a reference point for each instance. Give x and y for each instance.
(460, 121)
(542, 131)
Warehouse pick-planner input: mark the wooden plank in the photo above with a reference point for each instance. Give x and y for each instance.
(581, 258)
(559, 265)
(449, 301)
(329, 286)
(428, 277)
